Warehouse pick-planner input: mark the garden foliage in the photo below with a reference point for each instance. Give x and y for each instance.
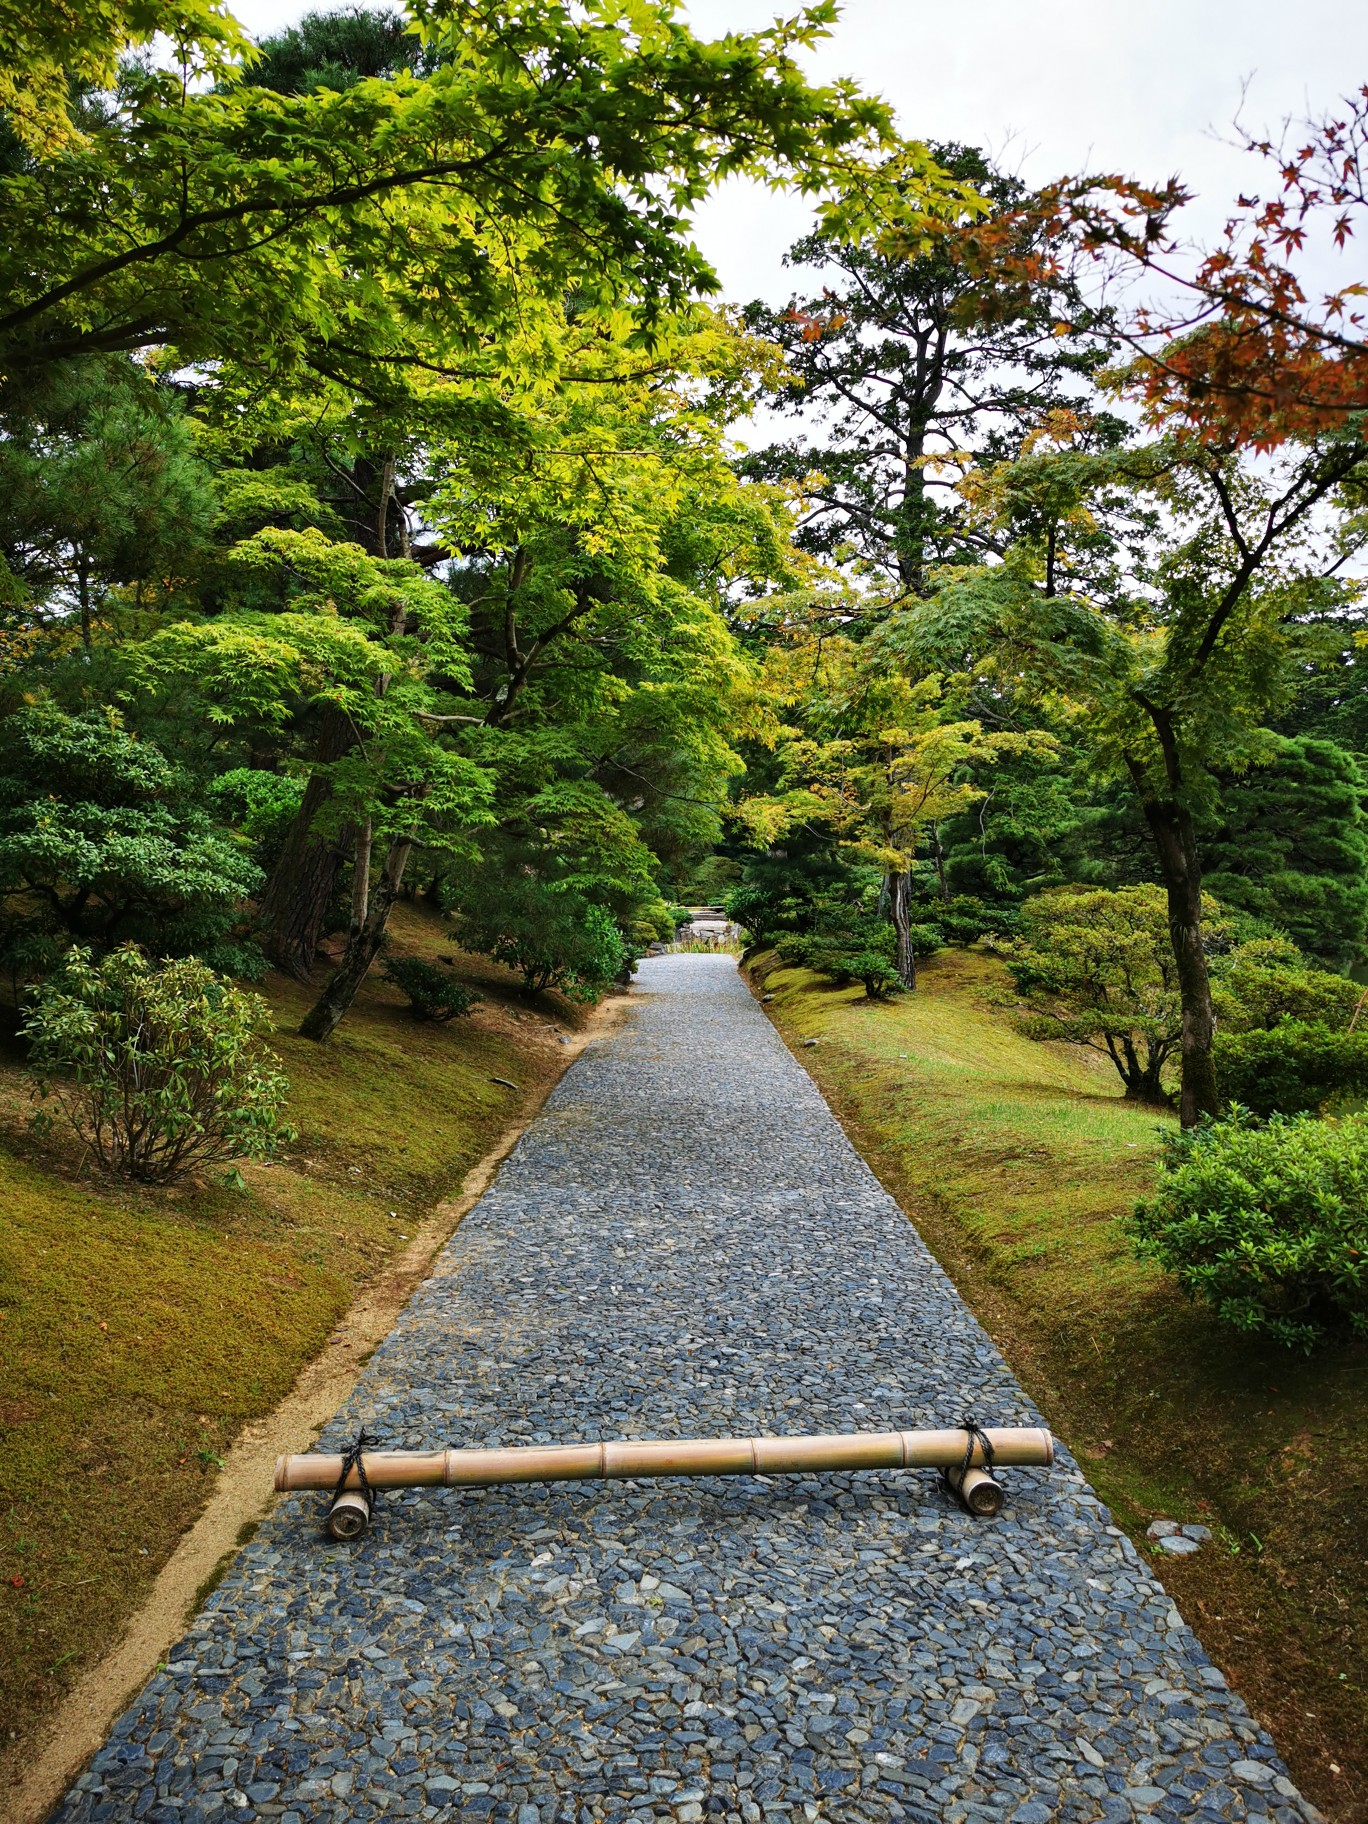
(372, 521)
(1266, 1224)
(1296, 1068)
(1261, 983)
(554, 940)
(104, 841)
(158, 1068)
(858, 948)
(433, 993)
(1095, 968)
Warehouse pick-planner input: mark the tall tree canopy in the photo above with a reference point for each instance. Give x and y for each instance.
(905, 369)
(404, 220)
(370, 502)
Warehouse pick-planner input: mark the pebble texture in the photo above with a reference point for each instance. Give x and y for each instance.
(684, 1243)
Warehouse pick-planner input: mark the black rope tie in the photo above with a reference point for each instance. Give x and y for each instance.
(352, 1460)
(976, 1435)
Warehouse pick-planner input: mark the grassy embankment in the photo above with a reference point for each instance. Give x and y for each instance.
(1015, 1160)
(140, 1328)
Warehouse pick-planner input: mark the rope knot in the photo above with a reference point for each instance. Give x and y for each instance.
(352, 1460)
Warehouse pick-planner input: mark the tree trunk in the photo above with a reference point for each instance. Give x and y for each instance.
(361, 863)
(363, 945)
(938, 856)
(913, 514)
(83, 595)
(899, 901)
(1145, 1086)
(1175, 841)
(295, 900)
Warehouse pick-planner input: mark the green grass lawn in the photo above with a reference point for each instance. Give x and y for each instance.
(141, 1328)
(1015, 1159)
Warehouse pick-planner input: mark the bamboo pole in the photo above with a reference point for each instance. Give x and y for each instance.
(1012, 1444)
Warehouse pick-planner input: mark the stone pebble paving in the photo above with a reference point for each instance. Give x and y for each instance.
(685, 1243)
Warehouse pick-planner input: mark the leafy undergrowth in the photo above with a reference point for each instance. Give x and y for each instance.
(140, 1329)
(1015, 1159)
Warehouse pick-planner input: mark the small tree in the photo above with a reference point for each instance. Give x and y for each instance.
(857, 948)
(553, 938)
(1268, 981)
(158, 1068)
(432, 993)
(1096, 968)
(885, 762)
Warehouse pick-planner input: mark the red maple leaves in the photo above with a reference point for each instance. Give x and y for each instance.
(1238, 344)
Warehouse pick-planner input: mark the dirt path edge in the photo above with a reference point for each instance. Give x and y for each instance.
(34, 1777)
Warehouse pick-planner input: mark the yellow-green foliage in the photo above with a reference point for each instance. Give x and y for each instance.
(141, 1327)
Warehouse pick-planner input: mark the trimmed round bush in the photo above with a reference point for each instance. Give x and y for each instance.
(926, 939)
(1266, 1224)
(1294, 1069)
(432, 993)
(158, 1067)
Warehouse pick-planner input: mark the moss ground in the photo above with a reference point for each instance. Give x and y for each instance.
(140, 1329)
(1015, 1160)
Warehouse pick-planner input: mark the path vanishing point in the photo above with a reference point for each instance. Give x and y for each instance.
(684, 1243)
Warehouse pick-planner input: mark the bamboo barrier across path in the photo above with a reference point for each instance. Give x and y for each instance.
(967, 1456)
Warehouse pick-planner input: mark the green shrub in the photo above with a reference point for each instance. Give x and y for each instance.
(157, 1067)
(874, 969)
(554, 939)
(1266, 980)
(798, 889)
(432, 993)
(262, 804)
(1294, 1069)
(860, 950)
(1268, 1225)
(964, 920)
(654, 923)
(926, 939)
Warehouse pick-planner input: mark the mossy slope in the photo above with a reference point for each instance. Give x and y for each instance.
(1015, 1159)
(139, 1329)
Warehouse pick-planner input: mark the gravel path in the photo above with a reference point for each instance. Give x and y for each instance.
(685, 1243)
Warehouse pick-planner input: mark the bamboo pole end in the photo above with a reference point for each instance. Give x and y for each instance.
(349, 1516)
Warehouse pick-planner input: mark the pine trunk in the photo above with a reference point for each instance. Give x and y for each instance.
(900, 906)
(295, 900)
(1147, 1087)
(363, 946)
(1175, 841)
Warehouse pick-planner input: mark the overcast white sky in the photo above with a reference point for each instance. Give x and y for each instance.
(1052, 86)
